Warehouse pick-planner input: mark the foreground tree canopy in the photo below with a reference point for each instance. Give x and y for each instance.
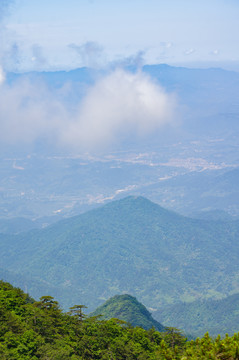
(31, 330)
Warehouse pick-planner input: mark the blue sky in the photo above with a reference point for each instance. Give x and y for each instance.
(60, 34)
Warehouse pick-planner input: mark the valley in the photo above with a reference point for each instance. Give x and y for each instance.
(47, 188)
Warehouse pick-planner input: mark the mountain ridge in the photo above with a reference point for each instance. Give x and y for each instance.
(128, 246)
(217, 316)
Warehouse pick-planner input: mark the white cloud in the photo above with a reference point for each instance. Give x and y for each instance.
(189, 51)
(119, 105)
(2, 76)
(27, 112)
(215, 52)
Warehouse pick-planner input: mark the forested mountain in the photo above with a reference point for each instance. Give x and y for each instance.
(194, 318)
(217, 316)
(128, 246)
(32, 330)
(17, 225)
(126, 307)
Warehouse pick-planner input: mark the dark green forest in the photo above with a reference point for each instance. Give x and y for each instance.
(128, 308)
(31, 330)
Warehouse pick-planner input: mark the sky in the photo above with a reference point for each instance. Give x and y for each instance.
(59, 34)
(63, 35)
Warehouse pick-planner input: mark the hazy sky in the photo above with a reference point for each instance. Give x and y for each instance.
(60, 34)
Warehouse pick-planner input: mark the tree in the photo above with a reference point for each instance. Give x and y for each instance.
(76, 311)
(174, 337)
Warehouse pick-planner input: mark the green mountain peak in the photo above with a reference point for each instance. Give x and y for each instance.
(127, 308)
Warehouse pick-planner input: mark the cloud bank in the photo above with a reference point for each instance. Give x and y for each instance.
(119, 105)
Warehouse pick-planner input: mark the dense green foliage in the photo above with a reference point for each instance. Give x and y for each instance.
(129, 246)
(126, 307)
(31, 330)
(40, 330)
(217, 316)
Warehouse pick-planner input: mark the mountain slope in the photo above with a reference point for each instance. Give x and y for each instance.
(129, 246)
(126, 307)
(214, 316)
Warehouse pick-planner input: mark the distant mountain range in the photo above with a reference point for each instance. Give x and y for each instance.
(207, 97)
(197, 317)
(190, 167)
(127, 246)
(210, 95)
